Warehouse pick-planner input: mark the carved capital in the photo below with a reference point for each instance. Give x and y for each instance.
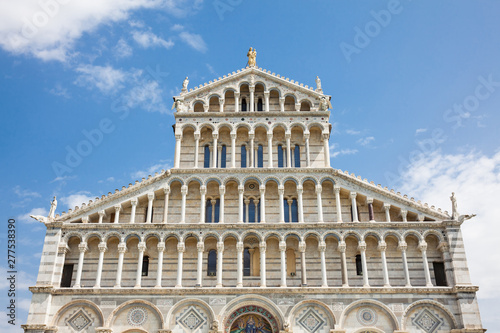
(281, 190)
(302, 246)
(369, 200)
(241, 189)
(402, 246)
(322, 246)
(233, 136)
(319, 189)
(300, 189)
(184, 189)
(161, 247)
(421, 217)
(197, 135)
(288, 135)
(166, 190)
(200, 246)
(336, 189)
(282, 246)
(382, 246)
(362, 246)
(422, 246)
(151, 196)
(239, 247)
(181, 247)
(262, 246)
(85, 219)
(118, 208)
(262, 189)
(307, 135)
(341, 247)
(266, 94)
(251, 135)
(269, 135)
(203, 190)
(220, 246)
(102, 247)
(101, 213)
(133, 201)
(82, 247)
(178, 136)
(222, 189)
(141, 247)
(122, 248)
(444, 247)
(63, 248)
(353, 195)
(215, 135)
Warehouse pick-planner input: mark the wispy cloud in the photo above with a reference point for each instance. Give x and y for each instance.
(194, 40)
(76, 199)
(211, 69)
(107, 180)
(122, 49)
(366, 141)
(147, 39)
(105, 78)
(148, 96)
(24, 193)
(161, 165)
(420, 130)
(334, 151)
(58, 90)
(352, 132)
(25, 218)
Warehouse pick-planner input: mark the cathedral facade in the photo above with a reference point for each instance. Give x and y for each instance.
(252, 231)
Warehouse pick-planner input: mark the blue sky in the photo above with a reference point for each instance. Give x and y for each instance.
(415, 91)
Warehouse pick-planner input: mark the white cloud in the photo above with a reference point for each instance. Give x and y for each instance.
(58, 90)
(148, 39)
(335, 152)
(77, 199)
(25, 193)
(147, 96)
(108, 180)
(420, 130)
(122, 49)
(211, 69)
(365, 141)
(48, 30)
(194, 40)
(475, 179)
(106, 79)
(35, 211)
(161, 165)
(177, 27)
(352, 132)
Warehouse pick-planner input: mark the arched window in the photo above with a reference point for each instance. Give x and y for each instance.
(260, 156)
(259, 105)
(145, 265)
(216, 211)
(212, 263)
(251, 212)
(244, 104)
(287, 210)
(243, 156)
(297, 156)
(246, 262)
(295, 211)
(206, 162)
(281, 156)
(359, 267)
(223, 157)
(208, 211)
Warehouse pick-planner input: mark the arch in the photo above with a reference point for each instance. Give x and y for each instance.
(320, 125)
(292, 234)
(327, 178)
(243, 125)
(223, 125)
(198, 106)
(275, 89)
(187, 125)
(112, 234)
(253, 300)
(233, 89)
(271, 178)
(250, 233)
(190, 234)
(174, 235)
(282, 125)
(152, 234)
(69, 305)
(291, 178)
(72, 234)
(135, 330)
(314, 180)
(436, 233)
(212, 179)
(305, 105)
(431, 303)
(392, 233)
(210, 234)
(261, 83)
(272, 234)
(312, 233)
(369, 330)
(228, 179)
(372, 233)
(331, 233)
(91, 234)
(227, 234)
(353, 233)
(132, 235)
(291, 95)
(301, 125)
(180, 180)
(191, 301)
(194, 179)
(258, 125)
(207, 125)
(375, 303)
(412, 233)
(305, 303)
(249, 178)
(109, 320)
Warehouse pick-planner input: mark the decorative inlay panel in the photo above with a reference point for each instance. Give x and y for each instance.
(79, 321)
(311, 321)
(427, 321)
(192, 319)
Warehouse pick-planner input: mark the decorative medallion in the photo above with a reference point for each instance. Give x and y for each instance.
(80, 321)
(311, 321)
(137, 316)
(367, 316)
(192, 319)
(427, 321)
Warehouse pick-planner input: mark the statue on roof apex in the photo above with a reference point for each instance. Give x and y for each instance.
(454, 210)
(318, 84)
(252, 57)
(53, 206)
(185, 84)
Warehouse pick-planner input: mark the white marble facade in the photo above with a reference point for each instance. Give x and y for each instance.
(254, 231)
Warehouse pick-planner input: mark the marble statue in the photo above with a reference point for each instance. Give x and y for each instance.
(53, 206)
(179, 105)
(454, 210)
(318, 84)
(185, 83)
(252, 57)
(324, 104)
(40, 218)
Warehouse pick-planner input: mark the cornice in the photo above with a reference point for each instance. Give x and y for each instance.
(255, 114)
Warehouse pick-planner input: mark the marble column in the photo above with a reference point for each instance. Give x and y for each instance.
(82, 247)
(444, 247)
(252, 98)
(338, 204)
(345, 278)
(102, 249)
(270, 149)
(181, 248)
(302, 250)
(262, 189)
(263, 247)
(371, 215)
(117, 213)
(387, 207)
(219, 156)
(326, 148)
(247, 204)
(133, 202)
(233, 150)
(288, 136)
(236, 102)
(222, 192)
(256, 203)
(177, 159)
(322, 250)
(282, 104)
(166, 191)
(203, 192)
(282, 248)
(307, 135)
(402, 246)
(241, 190)
(404, 214)
(362, 249)
(215, 136)
(239, 251)
(196, 148)
(141, 247)
(149, 217)
(300, 203)
(251, 156)
(184, 191)
(122, 248)
(281, 191)
(220, 255)
(266, 97)
(213, 202)
(422, 246)
(101, 215)
(354, 206)
(382, 247)
(319, 189)
(200, 247)
(159, 269)
(221, 104)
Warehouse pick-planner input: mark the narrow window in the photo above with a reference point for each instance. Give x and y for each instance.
(243, 104)
(439, 274)
(145, 265)
(67, 274)
(243, 156)
(287, 210)
(297, 156)
(223, 157)
(359, 267)
(206, 163)
(280, 156)
(217, 211)
(295, 211)
(208, 211)
(260, 156)
(212, 263)
(246, 262)
(259, 105)
(112, 218)
(251, 211)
